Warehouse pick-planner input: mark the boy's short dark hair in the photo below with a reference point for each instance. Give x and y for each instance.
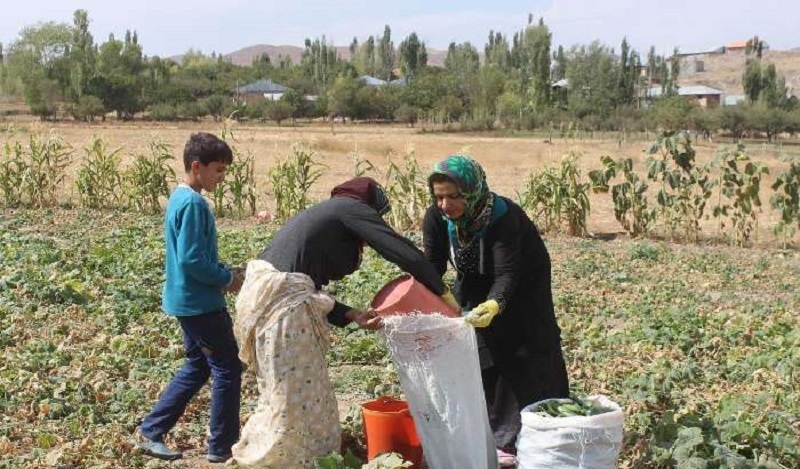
(206, 148)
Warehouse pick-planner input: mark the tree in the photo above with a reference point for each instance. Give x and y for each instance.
(407, 114)
(40, 60)
(592, 76)
(754, 46)
(509, 110)
(87, 108)
(627, 74)
(448, 109)
(321, 62)
(119, 81)
(674, 73)
(41, 95)
(343, 97)
(734, 119)
(386, 56)
(279, 111)
(428, 87)
(462, 63)
(752, 80)
(535, 65)
(673, 113)
(295, 101)
(559, 64)
(215, 105)
(771, 121)
(773, 88)
(412, 55)
(364, 58)
(497, 52)
(262, 66)
(491, 83)
(82, 55)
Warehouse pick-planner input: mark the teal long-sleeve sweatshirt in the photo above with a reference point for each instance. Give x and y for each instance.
(194, 276)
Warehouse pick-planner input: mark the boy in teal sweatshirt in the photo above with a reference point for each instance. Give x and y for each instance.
(194, 294)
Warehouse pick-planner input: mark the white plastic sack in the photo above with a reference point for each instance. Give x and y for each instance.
(437, 360)
(592, 442)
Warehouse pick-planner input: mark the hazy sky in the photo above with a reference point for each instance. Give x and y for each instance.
(170, 27)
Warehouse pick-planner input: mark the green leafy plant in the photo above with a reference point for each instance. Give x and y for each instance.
(99, 178)
(556, 196)
(361, 166)
(292, 180)
(685, 187)
(43, 165)
(739, 183)
(337, 461)
(147, 181)
(13, 167)
(787, 201)
(236, 194)
(407, 189)
(630, 201)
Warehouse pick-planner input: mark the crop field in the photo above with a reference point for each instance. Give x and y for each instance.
(695, 336)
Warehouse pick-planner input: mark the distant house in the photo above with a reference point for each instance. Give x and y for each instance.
(402, 81)
(263, 89)
(705, 96)
(371, 81)
(733, 100)
(736, 46)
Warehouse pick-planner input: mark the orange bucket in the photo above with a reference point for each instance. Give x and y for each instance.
(390, 428)
(404, 295)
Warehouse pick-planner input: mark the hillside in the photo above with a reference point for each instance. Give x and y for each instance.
(724, 71)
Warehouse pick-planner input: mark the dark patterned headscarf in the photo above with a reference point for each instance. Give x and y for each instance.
(365, 190)
(470, 179)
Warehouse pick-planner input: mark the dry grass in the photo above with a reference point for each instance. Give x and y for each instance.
(507, 160)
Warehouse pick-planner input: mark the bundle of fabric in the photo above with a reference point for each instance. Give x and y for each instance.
(283, 334)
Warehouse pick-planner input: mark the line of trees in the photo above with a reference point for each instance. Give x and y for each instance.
(59, 67)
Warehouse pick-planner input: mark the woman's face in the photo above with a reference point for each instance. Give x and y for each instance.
(448, 199)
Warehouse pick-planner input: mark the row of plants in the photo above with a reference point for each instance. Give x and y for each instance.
(675, 198)
(684, 194)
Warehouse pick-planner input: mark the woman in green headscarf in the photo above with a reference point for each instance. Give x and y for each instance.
(503, 285)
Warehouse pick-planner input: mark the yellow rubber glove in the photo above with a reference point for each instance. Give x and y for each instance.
(450, 299)
(483, 314)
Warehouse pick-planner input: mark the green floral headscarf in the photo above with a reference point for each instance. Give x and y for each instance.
(470, 178)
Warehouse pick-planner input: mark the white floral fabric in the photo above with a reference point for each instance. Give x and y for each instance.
(282, 330)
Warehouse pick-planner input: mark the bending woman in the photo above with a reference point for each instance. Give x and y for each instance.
(282, 320)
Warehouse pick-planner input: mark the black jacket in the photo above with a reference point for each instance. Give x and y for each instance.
(516, 268)
(325, 242)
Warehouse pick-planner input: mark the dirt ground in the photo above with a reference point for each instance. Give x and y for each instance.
(507, 160)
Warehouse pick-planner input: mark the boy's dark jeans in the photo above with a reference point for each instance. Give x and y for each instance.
(211, 350)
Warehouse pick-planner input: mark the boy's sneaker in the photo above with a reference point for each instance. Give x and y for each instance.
(218, 458)
(156, 449)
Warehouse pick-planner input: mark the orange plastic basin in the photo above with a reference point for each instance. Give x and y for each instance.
(404, 295)
(390, 428)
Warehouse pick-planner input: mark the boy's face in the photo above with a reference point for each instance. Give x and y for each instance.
(208, 176)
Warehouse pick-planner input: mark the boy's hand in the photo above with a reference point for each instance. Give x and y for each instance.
(236, 284)
(365, 319)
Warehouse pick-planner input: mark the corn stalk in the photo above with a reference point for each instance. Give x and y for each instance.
(147, 181)
(99, 179)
